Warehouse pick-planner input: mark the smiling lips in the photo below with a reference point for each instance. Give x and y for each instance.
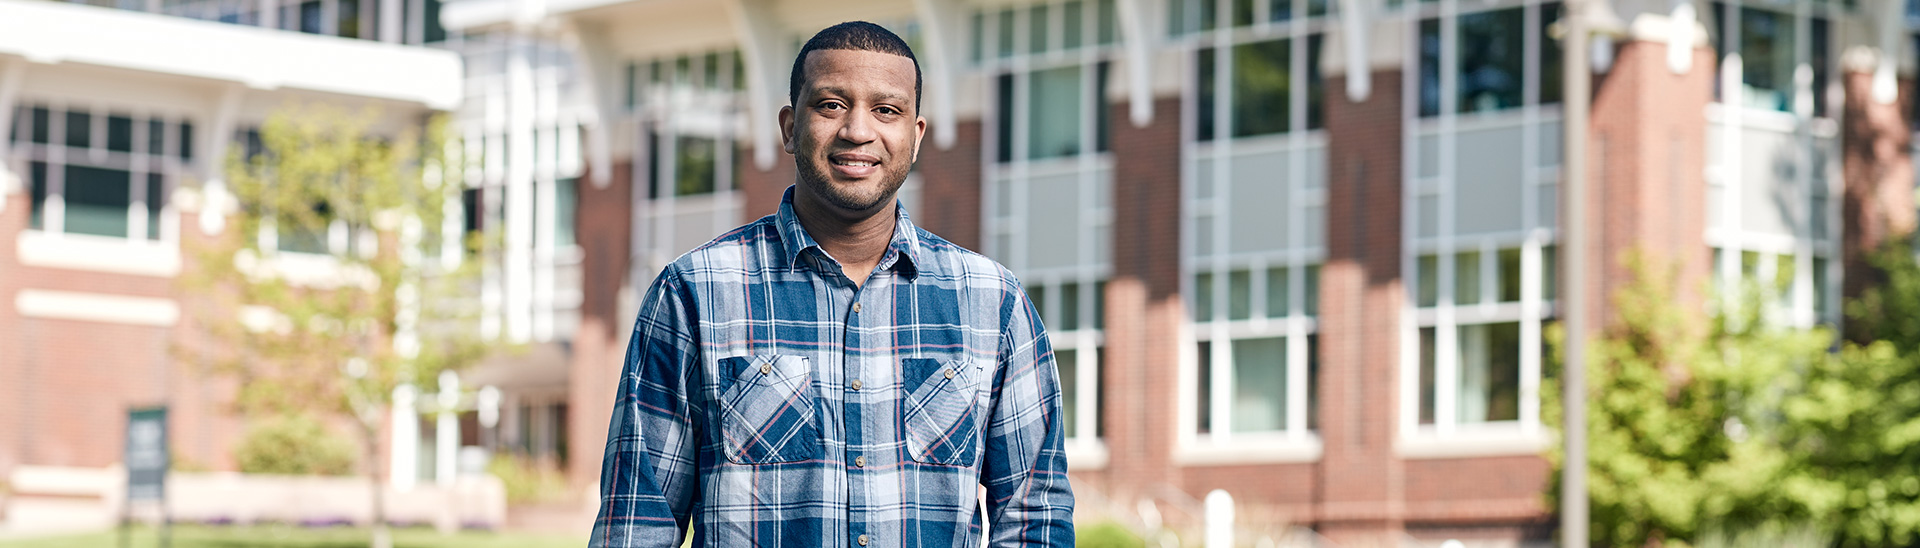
(853, 165)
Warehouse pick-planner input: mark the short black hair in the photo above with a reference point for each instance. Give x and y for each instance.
(856, 36)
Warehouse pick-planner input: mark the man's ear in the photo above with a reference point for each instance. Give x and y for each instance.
(786, 130)
(919, 133)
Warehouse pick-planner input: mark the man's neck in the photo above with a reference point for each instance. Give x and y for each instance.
(857, 242)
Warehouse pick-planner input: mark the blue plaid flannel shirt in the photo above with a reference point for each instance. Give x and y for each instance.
(767, 401)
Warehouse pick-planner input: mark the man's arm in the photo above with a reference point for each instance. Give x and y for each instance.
(1028, 500)
(649, 474)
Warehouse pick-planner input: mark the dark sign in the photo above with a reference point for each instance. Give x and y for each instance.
(147, 454)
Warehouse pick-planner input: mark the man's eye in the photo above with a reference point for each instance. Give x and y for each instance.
(831, 106)
(889, 111)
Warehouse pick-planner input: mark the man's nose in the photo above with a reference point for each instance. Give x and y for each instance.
(858, 128)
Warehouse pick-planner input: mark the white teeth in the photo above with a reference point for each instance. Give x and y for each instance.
(854, 164)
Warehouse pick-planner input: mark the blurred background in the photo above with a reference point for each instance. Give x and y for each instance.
(1300, 260)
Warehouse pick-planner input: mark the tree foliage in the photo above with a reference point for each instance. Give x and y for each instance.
(1704, 426)
(331, 288)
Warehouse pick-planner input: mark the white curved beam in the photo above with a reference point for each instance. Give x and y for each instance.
(1137, 38)
(1356, 19)
(940, 65)
(765, 54)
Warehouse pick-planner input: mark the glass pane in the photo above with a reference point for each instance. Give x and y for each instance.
(1107, 26)
(1550, 272)
(1261, 88)
(1310, 302)
(1277, 294)
(1054, 113)
(1099, 396)
(1204, 412)
(156, 198)
(1279, 10)
(1066, 362)
(119, 133)
(42, 125)
(1205, 96)
(1259, 385)
(79, 129)
(1203, 297)
(156, 137)
(310, 17)
(37, 186)
(1209, 17)
(434, 31)
(1820, 61)
(1005, 120)
(1820, 302)
(97, 200)
(633, 85)
(1313, 382)
(979, 36)
(1316, 8)
(1466, 278)
(710, 70)
(186, 140)
(1316, 84)
(566, 204)
(682, 70)
(1766, 54)
(1177, 22)
(1037, 29)
(1783, 278)
(1430, 67)
(1509, 275)
(1427, 285)
(1551, 73)
(1239, 295)
(349, 20)
(1005, 33)
(1073, 28)
(1492, 58)
(1069, 307)
(1426, 375)
(694, 166)
(1489, 388)
(1242, 13)
(1102, 108)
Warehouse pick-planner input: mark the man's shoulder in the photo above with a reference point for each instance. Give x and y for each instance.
(950, 260)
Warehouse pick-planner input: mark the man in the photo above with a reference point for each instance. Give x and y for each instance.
(831, 375)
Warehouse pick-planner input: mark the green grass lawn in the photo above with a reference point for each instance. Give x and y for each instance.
(297, 537)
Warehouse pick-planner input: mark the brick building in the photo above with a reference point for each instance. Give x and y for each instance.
(1300, 250)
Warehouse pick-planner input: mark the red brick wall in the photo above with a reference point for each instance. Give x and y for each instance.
(13, 387)
(599, 347)
(950, 187)
(762, 188)
(1360, 296)
(1647, 171)
(1143, 314)
(1878, 174)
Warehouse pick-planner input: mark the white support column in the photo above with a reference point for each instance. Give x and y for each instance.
(1137, 38)
(390, 14)
(402, 472)
(1891, 24)
(446, 431)
(941, 63)
(518, 271)
(605, 79)
(1356, 18)
(215, 202)
(765, 52)
(13, 71)
(269, 14)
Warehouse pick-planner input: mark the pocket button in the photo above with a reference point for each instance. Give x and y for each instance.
(856, 384)
(949, 373)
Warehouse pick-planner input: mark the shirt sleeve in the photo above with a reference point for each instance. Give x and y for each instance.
(648, 474)
(1029, 502)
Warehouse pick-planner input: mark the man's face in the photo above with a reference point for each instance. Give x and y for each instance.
(853, 132)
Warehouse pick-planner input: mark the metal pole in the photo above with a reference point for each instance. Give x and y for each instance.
(1573, 238)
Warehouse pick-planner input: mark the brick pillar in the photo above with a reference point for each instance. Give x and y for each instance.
(603, 226)
(950, 187)
(1877, 170)
(762, 187)
(1144, 310)
(1361, 293)
(1647, 173)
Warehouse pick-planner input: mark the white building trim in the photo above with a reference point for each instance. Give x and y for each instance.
(96, 307)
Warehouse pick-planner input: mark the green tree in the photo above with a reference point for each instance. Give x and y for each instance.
(331, 290)
(1685, 432)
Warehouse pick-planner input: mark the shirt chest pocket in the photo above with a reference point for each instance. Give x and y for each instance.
(940, 415)
(767, 411)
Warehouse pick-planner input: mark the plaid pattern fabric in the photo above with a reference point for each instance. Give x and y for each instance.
(767, 401)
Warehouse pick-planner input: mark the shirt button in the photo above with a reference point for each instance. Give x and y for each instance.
(860, 462)
(863, 540)
(949, 373)
(856, 308)
(856, 384)
(766, 369)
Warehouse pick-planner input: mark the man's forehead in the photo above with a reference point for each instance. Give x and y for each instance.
(821, 62)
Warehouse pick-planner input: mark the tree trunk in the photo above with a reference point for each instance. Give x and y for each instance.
(376, 472)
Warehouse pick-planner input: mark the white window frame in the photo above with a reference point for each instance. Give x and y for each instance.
(137, 251)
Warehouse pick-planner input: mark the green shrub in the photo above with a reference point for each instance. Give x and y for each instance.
(294, 445)
(1106, 534)
(528, 480)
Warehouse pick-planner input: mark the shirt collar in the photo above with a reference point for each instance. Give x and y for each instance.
(903, 253)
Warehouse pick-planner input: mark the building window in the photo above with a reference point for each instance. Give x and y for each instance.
(1248, 363)
(1490, 70)
(98, 173)
(1072, 312)
(1767, 40)
(687, 103)
(1050, 83)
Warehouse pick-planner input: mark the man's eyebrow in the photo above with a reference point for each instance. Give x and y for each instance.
(842, 92)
